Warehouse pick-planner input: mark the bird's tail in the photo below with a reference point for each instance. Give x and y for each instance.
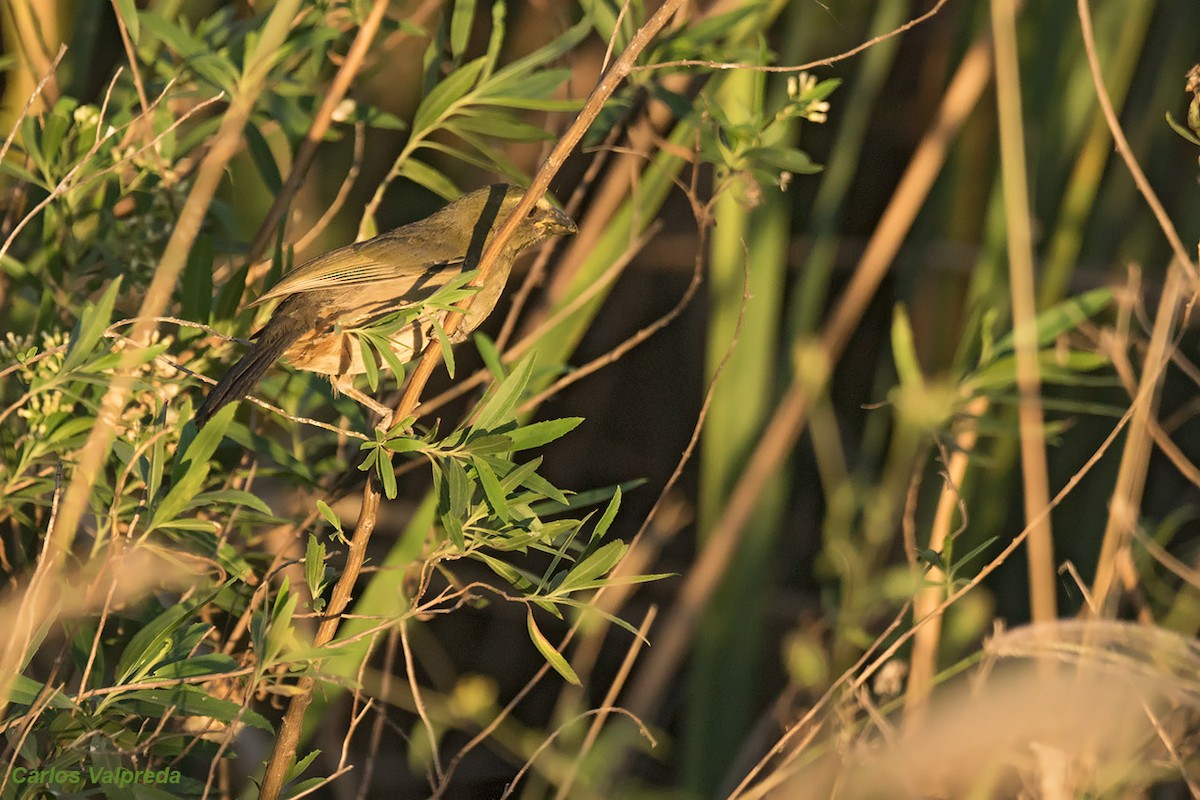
(276, 337)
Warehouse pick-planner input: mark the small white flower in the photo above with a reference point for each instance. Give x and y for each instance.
(86, 116)
(817, 112)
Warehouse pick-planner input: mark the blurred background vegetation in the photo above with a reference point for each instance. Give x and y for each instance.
(768, 199)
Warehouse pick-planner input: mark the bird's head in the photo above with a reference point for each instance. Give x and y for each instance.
(491, 207)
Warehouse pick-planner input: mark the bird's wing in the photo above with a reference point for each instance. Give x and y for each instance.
(365, 262)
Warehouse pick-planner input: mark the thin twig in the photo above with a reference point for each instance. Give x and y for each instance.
(1131, 163)
(616, 353)
(824, 62)
(316, 132)
(418, 703)
(33, 96)
(127, 43)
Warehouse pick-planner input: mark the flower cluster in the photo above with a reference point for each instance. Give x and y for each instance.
(34, 372)
(806, 96)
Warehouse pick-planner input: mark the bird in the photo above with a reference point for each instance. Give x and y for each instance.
(324, 299)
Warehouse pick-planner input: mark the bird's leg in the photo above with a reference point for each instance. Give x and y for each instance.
(345, 385)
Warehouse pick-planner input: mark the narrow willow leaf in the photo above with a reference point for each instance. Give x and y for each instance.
(490, 355)
(553, 657)
(329, 516)
(191, 701)
(92, 323)
(460, 26)
(433, 180)
(314, 566)
(540, 433)
(498, 408)
(1059, 319)
(369, 366)
(542, 486)
(393, 362)
(608, 516)
(446, 347)
(491, 489)
(444, 95)
(387, 475)
(263, 158)
(904, 352)
(594, 566)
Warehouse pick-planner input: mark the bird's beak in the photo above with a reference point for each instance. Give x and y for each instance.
(555, 223)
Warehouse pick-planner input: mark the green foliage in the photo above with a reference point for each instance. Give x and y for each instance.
(755, 147)
(104, 181)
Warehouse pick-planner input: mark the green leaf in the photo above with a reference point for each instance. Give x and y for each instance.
(519, 70)
(56, 125)
(500, 126)
(374, 117)
(1061, 318)
(329, 516)
(387, 475)
(519, 473)
(529, 92)
(151, 643)
(490, 355)
(229, 296)
(460, 26)
(787, 159)
(91, 326)
(191, 468)
(488, 444)
(553, 657)
(498, 408)
(491, 489)
(369, 366)
(421, 173)
(505, 570)
(208, 664)
(607, 517)
(392, 360)
(25, 691)
(1182, 131)
(904, 352)
(416, 532)
(263, 158)
(594, 566)
(280, 631)
(496, 40)
(439, 101)
(195, 295)
(191, 701)
(314, 566)
(236, 497)
(543, 487)
(1054, 368)
(584, 499)
(540, 433)
(458, 488)
(446, 347)
(454, 530)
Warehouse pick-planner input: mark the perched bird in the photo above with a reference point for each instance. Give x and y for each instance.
(354, 285)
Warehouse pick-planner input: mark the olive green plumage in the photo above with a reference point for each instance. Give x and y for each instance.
(354, 285)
